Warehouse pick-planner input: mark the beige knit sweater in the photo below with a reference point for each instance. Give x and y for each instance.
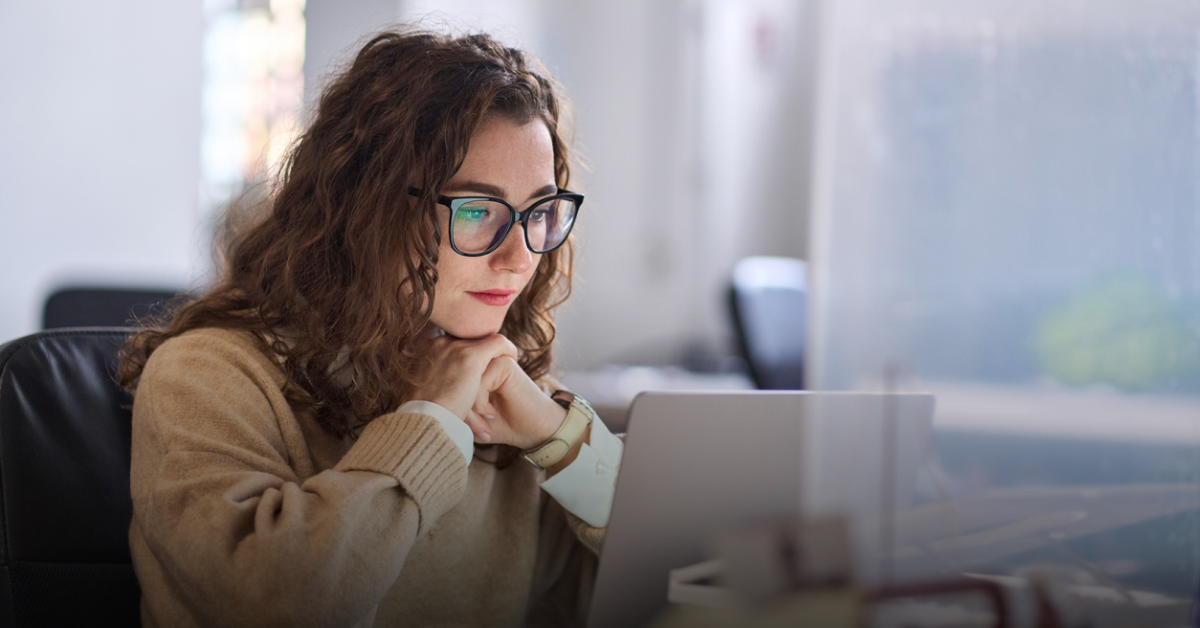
(248, 514)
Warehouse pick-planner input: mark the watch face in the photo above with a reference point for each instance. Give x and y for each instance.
(563, 397)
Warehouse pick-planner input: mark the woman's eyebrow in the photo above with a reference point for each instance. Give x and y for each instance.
(492, 190)
(473, 186)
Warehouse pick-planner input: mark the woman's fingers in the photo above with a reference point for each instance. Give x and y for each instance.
(479, 427)
(497, 345)
(481, 381)
(525, 415)
(497, 373)
(483, 404)
(455, 367)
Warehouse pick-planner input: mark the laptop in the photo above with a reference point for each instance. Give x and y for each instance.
(698, 463)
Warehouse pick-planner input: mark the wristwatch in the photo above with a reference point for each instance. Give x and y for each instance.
(579, 417)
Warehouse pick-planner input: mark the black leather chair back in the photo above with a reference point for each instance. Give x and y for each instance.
(99, 306)
(64, 482)
(768, 300)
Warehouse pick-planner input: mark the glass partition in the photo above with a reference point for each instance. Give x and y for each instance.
(1007, 214)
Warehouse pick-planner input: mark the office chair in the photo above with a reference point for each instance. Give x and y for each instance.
(768, 299)
(101, 306)
(64, 482)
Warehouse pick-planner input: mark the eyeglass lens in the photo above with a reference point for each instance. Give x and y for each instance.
(478, 225)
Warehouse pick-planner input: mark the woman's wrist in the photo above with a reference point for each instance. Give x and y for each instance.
(572, 431)
(554, 415)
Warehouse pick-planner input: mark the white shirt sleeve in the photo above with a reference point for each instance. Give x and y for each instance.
(456, 428)
(586, 486)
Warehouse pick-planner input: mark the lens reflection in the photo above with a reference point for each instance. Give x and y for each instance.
(478, 225)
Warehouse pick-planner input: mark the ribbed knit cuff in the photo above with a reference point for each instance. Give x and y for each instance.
(592, 538)
(455, 427)
(414, 449)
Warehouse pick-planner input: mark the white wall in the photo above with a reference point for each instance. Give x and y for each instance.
(99, 148)
(332, 30)
(100, 131)
(755, 69)
(698, 154)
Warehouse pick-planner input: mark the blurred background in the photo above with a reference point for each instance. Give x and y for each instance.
(997, 202)
(948, 194)
(945, 195)
(128, 125)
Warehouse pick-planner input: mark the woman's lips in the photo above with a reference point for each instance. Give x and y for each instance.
(494, 297)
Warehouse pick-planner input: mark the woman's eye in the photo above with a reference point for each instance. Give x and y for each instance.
(472, 213)
(541, 215)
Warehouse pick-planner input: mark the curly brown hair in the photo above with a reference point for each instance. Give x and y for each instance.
(339, 270)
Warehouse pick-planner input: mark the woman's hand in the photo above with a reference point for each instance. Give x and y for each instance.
(512, 409)
(454, 368)
(480, 381)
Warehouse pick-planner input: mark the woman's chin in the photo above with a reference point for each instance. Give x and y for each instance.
(470, 330)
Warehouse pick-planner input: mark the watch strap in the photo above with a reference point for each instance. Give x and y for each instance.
(579, 417)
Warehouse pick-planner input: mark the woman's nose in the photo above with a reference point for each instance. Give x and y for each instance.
(513, 255)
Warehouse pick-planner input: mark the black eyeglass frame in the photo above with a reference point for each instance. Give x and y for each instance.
(514, 217)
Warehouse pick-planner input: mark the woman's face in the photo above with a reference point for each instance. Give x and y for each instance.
(509, 161)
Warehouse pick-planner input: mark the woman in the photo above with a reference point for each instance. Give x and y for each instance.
(353, 427)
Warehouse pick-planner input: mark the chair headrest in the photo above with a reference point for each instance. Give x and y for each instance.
(64, 448)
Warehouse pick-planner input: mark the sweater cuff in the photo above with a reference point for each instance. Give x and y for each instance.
(456, 428)
(415, 450)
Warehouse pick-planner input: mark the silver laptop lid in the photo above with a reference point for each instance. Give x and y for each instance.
(696, 463)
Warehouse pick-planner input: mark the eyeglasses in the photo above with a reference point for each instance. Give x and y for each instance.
(479, 224)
